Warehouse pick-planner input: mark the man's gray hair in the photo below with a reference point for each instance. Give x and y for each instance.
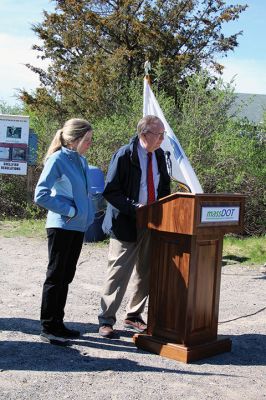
(147, 122)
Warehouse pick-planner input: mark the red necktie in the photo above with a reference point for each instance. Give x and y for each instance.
(150, 184)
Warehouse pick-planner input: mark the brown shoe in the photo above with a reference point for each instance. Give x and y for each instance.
(106, 331)
(135, 325)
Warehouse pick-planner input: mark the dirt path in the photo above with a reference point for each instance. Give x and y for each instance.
(96, 368)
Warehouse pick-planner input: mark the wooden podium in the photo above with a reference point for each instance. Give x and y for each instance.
(186, 258)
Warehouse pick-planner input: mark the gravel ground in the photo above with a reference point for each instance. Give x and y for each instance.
(97, 368)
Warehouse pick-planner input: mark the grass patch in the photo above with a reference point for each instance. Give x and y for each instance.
(247, 251)
(30, 228)
(24, 227)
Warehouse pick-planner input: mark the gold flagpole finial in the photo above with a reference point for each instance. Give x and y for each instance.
(147, 68)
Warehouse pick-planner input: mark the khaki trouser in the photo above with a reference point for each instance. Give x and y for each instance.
(123, 258)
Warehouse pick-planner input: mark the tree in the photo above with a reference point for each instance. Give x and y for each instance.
(96, 48)
(12, 110)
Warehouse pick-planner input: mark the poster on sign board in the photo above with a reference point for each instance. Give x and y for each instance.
(14, 137)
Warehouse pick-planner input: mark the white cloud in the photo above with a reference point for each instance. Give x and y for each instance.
(249, 75)
(14, 53)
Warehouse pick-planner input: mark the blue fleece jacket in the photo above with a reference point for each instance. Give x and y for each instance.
(64, 189)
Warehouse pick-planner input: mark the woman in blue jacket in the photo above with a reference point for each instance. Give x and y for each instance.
(64, 190)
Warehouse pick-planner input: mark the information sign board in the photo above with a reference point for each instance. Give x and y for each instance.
(14, 137)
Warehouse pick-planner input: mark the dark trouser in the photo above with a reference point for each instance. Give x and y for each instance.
(63, 250)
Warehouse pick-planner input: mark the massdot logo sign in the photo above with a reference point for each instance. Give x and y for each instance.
(220, 214)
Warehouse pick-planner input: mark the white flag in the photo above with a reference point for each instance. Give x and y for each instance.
(176, 160)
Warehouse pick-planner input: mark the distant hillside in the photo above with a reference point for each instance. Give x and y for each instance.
(251, 106)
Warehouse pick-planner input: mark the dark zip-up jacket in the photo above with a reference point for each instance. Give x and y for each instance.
(122, 190)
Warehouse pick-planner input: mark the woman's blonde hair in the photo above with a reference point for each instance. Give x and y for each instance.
(72, 130)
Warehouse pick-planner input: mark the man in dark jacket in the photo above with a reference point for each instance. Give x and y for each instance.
(137, 176)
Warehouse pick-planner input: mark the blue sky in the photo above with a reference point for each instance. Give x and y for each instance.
(248, 61)
(247, 64)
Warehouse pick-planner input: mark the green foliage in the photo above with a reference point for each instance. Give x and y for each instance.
(14, 198)
(33, 212)
(45, 126)
(228, 155)
(12, 110)
(204, 108)
(240, 167)
(13, 195)
(111, 132)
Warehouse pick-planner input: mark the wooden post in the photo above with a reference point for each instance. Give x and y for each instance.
(29, 184)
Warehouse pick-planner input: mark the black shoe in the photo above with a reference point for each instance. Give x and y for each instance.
(66, 333)
(59, 333)
(53, 339)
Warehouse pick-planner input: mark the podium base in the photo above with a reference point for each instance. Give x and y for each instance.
(181, 352)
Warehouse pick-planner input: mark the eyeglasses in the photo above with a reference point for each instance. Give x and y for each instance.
(161, 134)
